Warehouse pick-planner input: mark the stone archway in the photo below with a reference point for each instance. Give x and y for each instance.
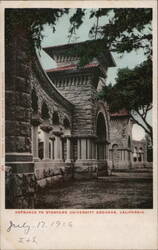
(101, 134)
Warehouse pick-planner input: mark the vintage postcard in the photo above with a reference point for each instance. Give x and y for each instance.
(78, 125)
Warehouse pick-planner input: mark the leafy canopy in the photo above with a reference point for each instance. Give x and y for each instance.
(120, 29)
(32, 21)
(133, 91)
(115, 29)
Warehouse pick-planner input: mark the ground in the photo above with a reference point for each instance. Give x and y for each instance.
(121, 190)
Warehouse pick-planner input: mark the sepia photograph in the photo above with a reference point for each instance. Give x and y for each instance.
(78, 108)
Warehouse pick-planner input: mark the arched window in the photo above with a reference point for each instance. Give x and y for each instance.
(135, 149)
(66, 123)
(101, 127)
(34, 100)
(45, 111)
(140, 154)
(55, 118)
(129, 142)
(135, 154)
(40, 144)
(101, 134)
(134, 158)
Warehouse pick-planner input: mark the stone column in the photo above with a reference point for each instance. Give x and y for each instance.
(68, 155)
(52, 138)
(78, 149)
(94, 150)
(122, 155)
(46, 129)
(89, 149)
(35, 123)
(58, 147)
(83, 149)
(126, 155)
(35, 142)
(107, 153)
(142, 157)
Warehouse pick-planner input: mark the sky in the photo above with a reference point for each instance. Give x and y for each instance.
(129, 60)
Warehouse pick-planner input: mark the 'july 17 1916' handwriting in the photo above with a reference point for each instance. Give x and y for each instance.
(27, 228)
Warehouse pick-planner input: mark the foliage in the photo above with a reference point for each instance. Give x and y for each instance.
(87, 50)
(133, 91)
(32, 21)
(120, 30)
(124, 30)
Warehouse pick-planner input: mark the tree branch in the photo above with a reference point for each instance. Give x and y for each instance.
(144, 120)
(141, 125)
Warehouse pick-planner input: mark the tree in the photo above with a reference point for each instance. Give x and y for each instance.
(132, 91)
(124, 30)
(32, 21)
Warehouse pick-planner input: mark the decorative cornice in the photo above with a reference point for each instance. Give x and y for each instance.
(60, 51)
(46, 127)
(57, 133)
(36, 120)
(74, 78)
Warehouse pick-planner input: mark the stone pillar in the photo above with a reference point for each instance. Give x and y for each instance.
(35, 142)
(35, 123)
(122, 155)
(68, 155)
(58, 147)
(83, 149)
(18, 119)
(142, 157)
(94, 150)
(89, 149)
(107, 154)
(46, 146)
(46, 129)
(137, 156)
(78, 149)
(52, 138)
(86, 149)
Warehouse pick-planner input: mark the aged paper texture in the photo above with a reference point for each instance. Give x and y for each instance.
(73, 227)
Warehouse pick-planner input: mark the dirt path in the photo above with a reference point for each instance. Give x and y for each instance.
(104, 193)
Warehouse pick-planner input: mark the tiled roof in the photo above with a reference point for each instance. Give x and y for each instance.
(71, 67)
(120, 113)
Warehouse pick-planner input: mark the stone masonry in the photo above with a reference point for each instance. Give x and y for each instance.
(55, 128)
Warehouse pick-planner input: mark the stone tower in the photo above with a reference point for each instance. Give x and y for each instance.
(121, 140)
(90, 118)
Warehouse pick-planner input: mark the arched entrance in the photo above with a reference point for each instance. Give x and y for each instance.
(101, 134)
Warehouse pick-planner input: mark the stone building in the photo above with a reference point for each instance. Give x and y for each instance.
(56, 128)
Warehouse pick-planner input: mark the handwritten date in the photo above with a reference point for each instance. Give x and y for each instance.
(27, 228)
